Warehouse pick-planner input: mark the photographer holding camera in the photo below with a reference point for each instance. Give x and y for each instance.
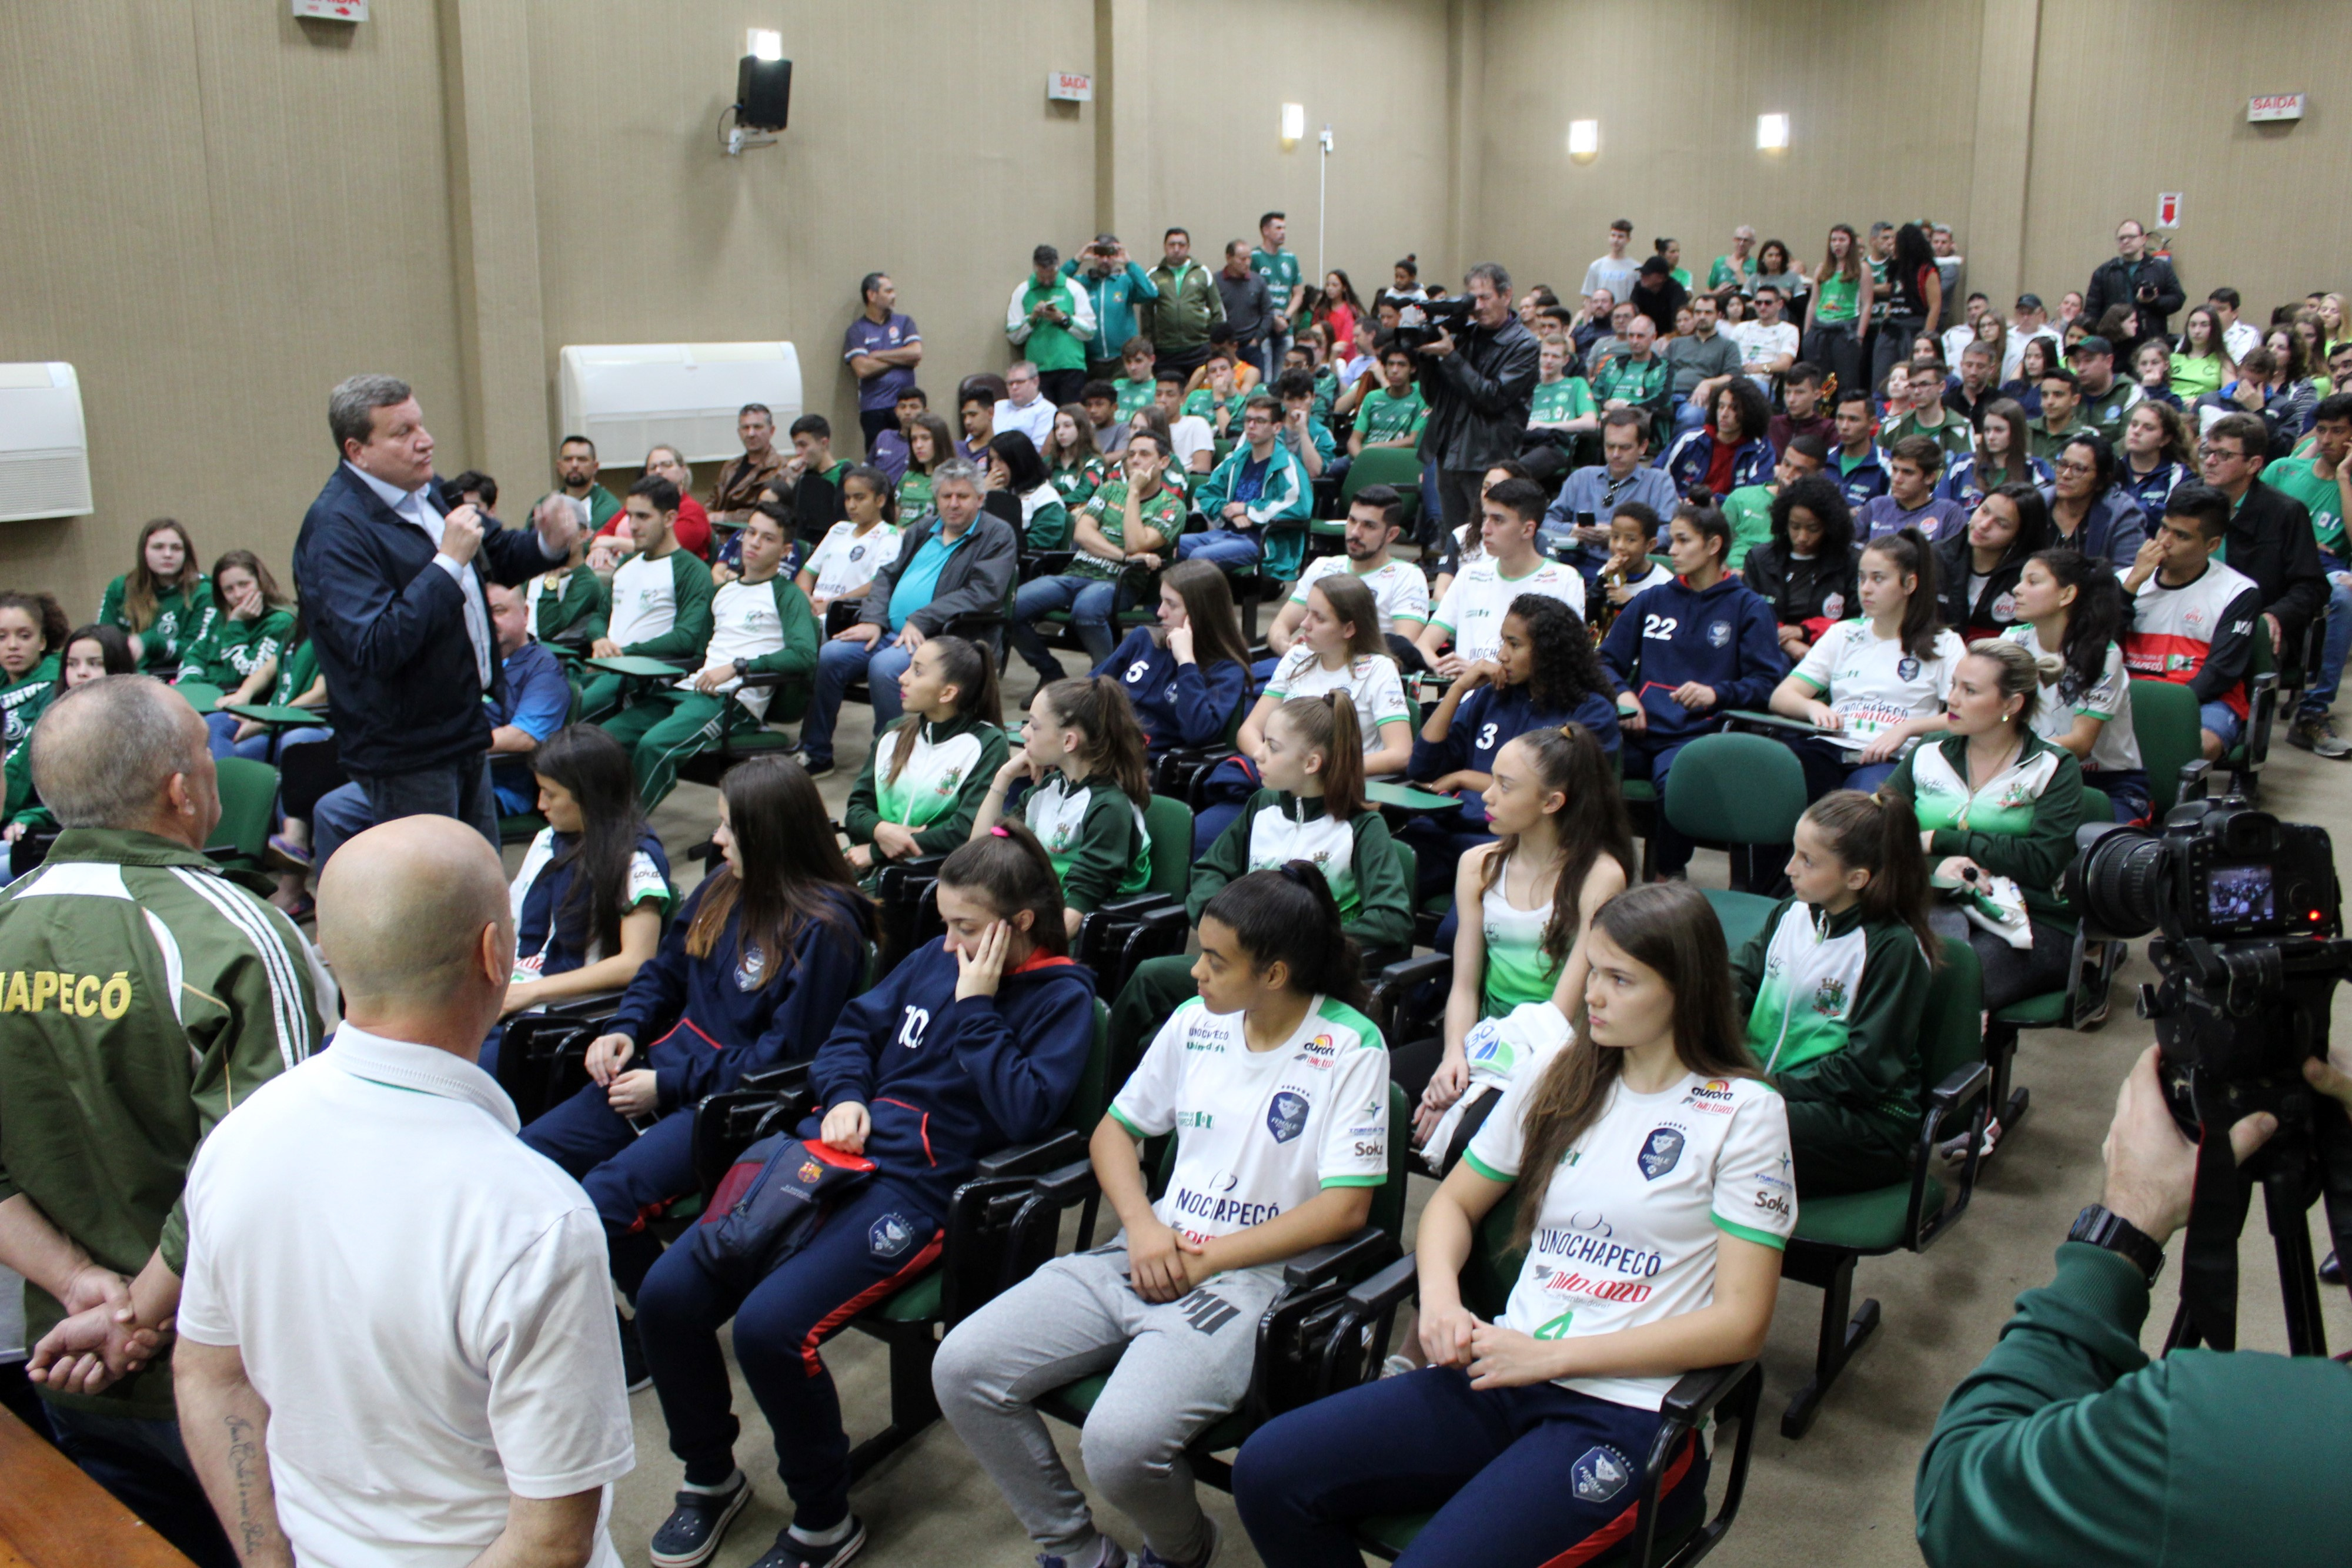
(2069, 1447)
(2134, 277)
(1480, 379)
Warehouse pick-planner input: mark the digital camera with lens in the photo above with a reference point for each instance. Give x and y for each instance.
(2251, 919)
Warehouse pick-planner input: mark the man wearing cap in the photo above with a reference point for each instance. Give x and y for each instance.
(2105, 401)
(1115, 286)
(2031, 320)
(1051, 321)
(2132, 276)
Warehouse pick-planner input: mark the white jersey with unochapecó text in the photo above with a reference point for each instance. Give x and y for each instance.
(1258, 1133)
(1475, 605)
(1874, 683)
(1628, 1229)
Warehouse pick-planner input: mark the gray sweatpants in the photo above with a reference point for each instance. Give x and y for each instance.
(1175, 1369)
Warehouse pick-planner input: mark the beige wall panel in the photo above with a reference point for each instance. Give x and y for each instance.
(921, 143)
(2141, 96)
(1374, 70)
(216, 213)
(1881, 100)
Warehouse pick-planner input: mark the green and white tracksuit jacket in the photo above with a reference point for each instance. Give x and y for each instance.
(144, 994)
(937, 793)
(1356, 856)
(1835, 1006)
(1094, 835)
(2021, 825)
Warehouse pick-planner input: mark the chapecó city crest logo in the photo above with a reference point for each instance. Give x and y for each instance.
(1828, 996)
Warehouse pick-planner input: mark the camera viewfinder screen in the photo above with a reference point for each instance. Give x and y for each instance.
(2240, 892)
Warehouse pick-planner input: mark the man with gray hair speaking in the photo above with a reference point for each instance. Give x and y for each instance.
(145, 994)
(393, 592)
(417, 1362)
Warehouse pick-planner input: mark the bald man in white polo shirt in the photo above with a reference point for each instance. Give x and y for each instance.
(388, 1294)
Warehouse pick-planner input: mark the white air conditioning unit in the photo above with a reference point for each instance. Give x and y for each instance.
(628, 397)
(44, 448)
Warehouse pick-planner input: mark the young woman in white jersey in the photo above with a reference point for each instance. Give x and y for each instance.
(1560, 824)
(1650, 1165)
(1082, 760)
(1873, 684)
(1339, 648)
(1312, 808)
(2070, 606)
(844, 563)
(1276, 1087)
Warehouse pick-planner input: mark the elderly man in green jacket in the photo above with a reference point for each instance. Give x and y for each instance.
(144, 994)
(2069, 1447)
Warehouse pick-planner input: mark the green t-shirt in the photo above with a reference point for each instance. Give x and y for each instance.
(1208, 404)
(1280, 270)
(1384, 417)
(1727, 272)
(1637, 384)
(1571, 397)
(1749, 510)
(1108, 511)
(914, 495)
(2298, 477)
(1134, 396)
(1833, 296)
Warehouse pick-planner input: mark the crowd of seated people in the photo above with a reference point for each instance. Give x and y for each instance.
(1934, 575)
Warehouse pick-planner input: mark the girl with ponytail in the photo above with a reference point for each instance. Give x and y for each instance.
(1873, 684)
(1275, 1088)
(1834, 989)
(1310, 754)
(1997, 807)
(1082, 762)
(974, 1042)
(924, 778)
(1648, 1137)
(1521, 906)
(2071, 605)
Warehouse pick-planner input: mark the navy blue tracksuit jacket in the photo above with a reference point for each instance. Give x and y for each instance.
(1724, 637)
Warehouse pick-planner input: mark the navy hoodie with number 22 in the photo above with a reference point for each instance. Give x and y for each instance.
(1724, 637)
(945, 1082)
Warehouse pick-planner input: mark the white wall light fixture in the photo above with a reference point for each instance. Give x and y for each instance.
(1771, 134)
(1583, 140)
(764, 43)
(1294, 123)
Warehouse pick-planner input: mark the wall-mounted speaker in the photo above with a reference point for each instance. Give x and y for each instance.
(764, 93)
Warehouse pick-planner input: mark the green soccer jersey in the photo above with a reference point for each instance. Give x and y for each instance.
(1834, 297)
(2299, 477)
(914, 495)
(1387, 419)
(1208, 405)
(1280, 270)
(1749, 510)
(1076, 481)
(1571, 397)
(1162, 512)
(1134, 396)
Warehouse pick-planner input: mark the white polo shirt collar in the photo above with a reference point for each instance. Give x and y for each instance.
(420, 1069)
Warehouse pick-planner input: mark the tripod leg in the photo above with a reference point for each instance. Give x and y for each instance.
(2306, 1332)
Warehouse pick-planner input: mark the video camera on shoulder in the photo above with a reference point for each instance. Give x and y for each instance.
(1421, 320)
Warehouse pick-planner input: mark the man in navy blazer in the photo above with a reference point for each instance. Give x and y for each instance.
(394, 592)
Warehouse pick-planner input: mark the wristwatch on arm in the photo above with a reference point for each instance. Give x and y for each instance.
(2103, 1227)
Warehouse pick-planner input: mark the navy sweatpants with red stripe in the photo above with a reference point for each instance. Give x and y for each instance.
(1539, 1476)
(879, 1239)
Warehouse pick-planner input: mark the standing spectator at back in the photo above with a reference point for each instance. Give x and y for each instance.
(1178, 321)
(1613, 274)
(740, 479)
(882, 348)
(2134, 277)
(1117, 288)
(167, 993)
(1051, 321)
(1480, 381)
(467, 1407)
(1249, 307)
(1280, 267)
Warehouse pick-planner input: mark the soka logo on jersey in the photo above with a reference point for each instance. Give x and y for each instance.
(1286, 1117)
(1661, 1152)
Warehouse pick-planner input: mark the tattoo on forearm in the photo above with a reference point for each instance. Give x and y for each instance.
(249, 1469)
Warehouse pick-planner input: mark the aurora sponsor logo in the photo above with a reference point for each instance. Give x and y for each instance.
(1321, 1051)
(1714, 1097)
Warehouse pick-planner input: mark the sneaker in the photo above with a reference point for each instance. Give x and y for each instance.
(1398, 1365)
(633, 1371)
(2314, 733)
(1111, 1556)
(1151, 1558)
(689, 1537)
(814, 767)
(289, 854)
(790, 1552)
